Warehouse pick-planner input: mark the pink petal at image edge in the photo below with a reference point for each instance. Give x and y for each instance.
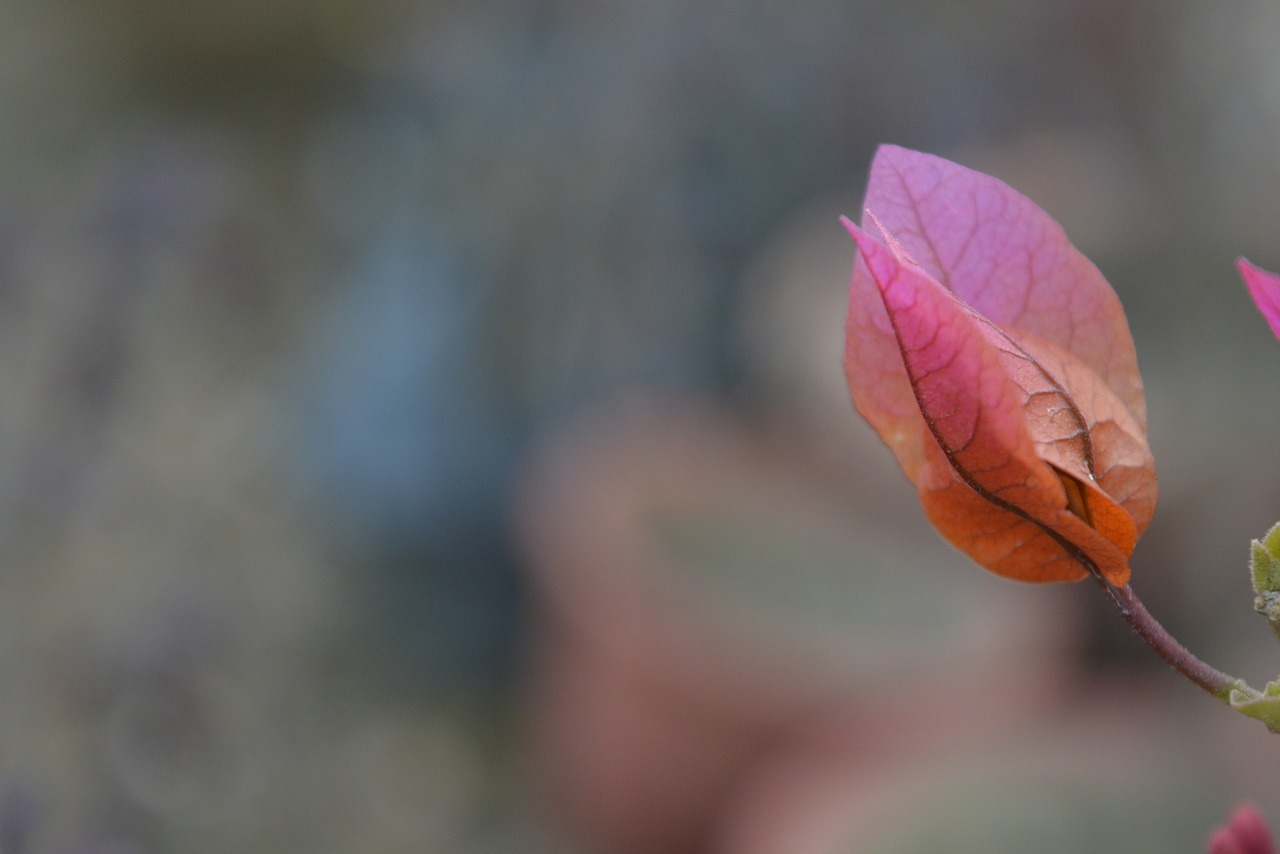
(1264, 287)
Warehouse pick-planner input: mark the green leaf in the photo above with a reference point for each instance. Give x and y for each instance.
(1265, 706)
(1272, 541)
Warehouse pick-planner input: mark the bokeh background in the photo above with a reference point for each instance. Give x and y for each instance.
(422, 428)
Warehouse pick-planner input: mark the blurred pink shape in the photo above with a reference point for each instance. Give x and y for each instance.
(1246, 832)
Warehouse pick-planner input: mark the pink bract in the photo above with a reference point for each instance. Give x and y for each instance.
(1246, 832)
(1264, 287)
(997, 364)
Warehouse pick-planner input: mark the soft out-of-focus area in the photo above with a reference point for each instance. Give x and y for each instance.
(422, 429)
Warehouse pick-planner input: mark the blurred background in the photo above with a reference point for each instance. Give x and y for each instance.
(422, 428)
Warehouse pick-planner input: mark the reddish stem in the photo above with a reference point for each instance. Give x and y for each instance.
(1210, 679)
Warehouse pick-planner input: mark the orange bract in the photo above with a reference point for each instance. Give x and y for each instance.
(996, 362)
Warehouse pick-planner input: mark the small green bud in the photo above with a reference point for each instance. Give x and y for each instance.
(1264, 569)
